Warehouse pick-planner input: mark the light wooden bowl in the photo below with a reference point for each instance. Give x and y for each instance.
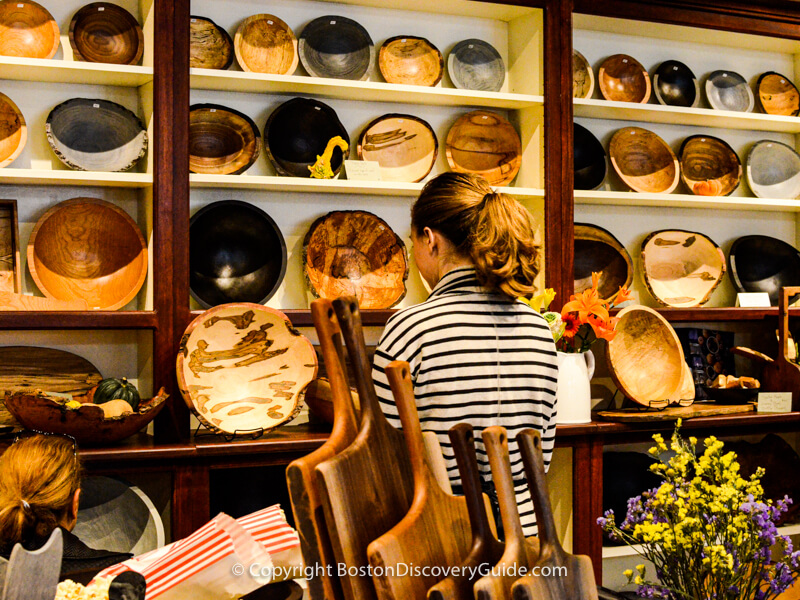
(484, 143)
(675, 84)
(13, 131)
(645, 339)
(589, 159)
(222, 141)
(265, 44)
(27, 30)
(582, 76)
(727, 90)
(773, 170)
(759, 263)
(88, 249)
(337, 47)
(598, 251)
(777, 95)
(622, 78)
(476, 65)
(102, 32)
(241, 368)
(681, 268)
(644, 161)
(709, 166)
(96, 135)
(355, 253)
(410, 60)
(210, 46)
(405, 147)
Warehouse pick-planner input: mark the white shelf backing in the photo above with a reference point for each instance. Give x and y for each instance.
(72, 178)
(83, 73)
(686, 201)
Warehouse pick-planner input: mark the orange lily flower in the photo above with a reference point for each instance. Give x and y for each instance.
(586, 303)
(623, 295)
(603, 330)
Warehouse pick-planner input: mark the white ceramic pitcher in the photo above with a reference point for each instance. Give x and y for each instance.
(574, 397)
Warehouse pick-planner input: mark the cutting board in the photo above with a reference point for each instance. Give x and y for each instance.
(673, 413)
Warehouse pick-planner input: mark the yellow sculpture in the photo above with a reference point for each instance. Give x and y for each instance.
(322, 168)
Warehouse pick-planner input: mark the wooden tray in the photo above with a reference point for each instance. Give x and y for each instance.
(210, 46)
(486, 144)
(673, 413)
(27, 30)
(102, 32)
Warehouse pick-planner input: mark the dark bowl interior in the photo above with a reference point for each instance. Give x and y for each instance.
(589, 159)
(727, 90)
(759, 263)
(732, 395)
(221, 140)
(236, 254)
(675, 84)
(476, 65)
(598, 251)
(337, 47)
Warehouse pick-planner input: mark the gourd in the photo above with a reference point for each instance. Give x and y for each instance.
(115, 408)
(116, 389)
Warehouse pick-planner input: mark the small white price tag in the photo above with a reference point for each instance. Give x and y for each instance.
(752, 300)
(362, 170)
(774, 402)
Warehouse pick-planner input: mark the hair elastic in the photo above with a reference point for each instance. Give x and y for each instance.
(26, 505)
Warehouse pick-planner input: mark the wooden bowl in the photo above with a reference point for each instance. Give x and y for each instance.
(709, 166)
(675, 84)
(777, 95)
(241, 368)
(355, 253)
(589, 158)
(484, 143)
(727, 90)
(598, 251)
(337, 47)
(582, 76)
(210, 46)
(476, 65)
(298, 131)
(759, 263)
(410, 60)
(222, 141)
(88, 249)
(645, 339)
(13, 131)
(265, 44)
(622, 78)
(644, 161)
(236, 254)
(102, 32)
(96, 135)
(405, 146)
(681, 268)
(773, 170)
(27, 30)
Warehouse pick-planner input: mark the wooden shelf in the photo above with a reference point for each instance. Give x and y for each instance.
(302, 317)
(83, 178)
(721, 313)
(627, 198)
(99, 319)
(73, 72)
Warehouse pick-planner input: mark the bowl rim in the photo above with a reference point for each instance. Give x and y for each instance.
(388, 116)
(581, 231)
(741, 81)
(644, 74)
(732, 268)
(222, 31)
(53, 24)
(317, 24)
(626, 179)
(760, 82)
(589, 69)
(219, 108)
(452, 56)
(404, 38)
(85, 10)
(718, 141)
(281, 24)
(4, 99)
(509, 176)
(657, 87)
(748, 165)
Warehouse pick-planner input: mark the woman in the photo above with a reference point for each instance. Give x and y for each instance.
(477, 354)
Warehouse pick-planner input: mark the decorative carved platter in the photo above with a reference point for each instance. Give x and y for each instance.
(222, 141)
(644, 161)
(210, 46)
(405, 146)
(622, 78)
(486, 144)
(102, 32)
(709, 166)
(27, 30)
(410, 60)
(265, 44)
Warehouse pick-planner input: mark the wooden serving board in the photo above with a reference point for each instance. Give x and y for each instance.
(673, 413)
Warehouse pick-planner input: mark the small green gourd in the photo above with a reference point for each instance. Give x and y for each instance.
(116, 389)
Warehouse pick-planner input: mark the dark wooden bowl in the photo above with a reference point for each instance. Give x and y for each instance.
(476, 65)
(582, 76)
(681, 268)
(644, 161)
(598, 251)
(242, 367)
(410, 60)
(622, 78)
(210, 46)
(96, 135)
(405, 146)
(298, 131)
(777, 95)
(589, 158)
(236, 254)
(484, 143)
(355, 253)
(265, 44)
(732, 395)
(773, 170)
(675, 84)
(88, 249)
(727, 90)
(337, 47)
(709, 166)
(27, 30)
(222, 141)
(102, 32)
(13, 131)
(759, 263)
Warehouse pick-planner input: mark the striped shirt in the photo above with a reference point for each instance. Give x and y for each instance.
(475, 357)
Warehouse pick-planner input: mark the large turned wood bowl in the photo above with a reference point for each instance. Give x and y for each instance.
(727, 90)
(13, 131)
(709, 166)
(241, 368)
(759, 263)
(236, 254)
(337, 47)
(355, 253)
(476, 65)
(681, 268)
(589, 158)
(265, 44)
(675, 84)
(27, 30)
(644, 161)
(773, 170)
(598, 251)
(582, 76)
(410, 60)
(210, 46)
(622, 78)
(88, 249)
(486, 144)
(222, 141)
(96, 135)
(102, 32)
(777, 95)
(404, 146)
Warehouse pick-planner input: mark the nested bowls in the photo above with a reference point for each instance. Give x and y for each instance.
(759, 263)
(681, 268)
(355, 253)
(727, 90)
(88, 249)
(27, 29)
(709, 166)
(265, 44)
(622, 78)
(210, 46)
(241, 368)
(222, 141)
(777, 95)
(582, 76)
(102, 32)
(589, 158)
(13, 131)
(236, 254)
(596, 250)
(675, 84)
(410, 60)
(644, 161)
(773, 170)
(476, 65)
(337, 47)
(486, 144)
(404, 146)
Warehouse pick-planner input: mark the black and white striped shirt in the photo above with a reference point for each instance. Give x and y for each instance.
(475, 357)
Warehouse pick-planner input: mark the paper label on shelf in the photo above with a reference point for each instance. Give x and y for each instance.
(41, 164)
(362, 170)
(752, 300)
(774, 402)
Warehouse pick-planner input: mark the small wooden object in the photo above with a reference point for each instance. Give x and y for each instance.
(709, 166)
(13, 131)
(265, 44)
(210, 46)
(10, 272)
(336, 47)
(33, 575)
(673, 413)
(589, 159)
(405, 146)
(773, 170)
(582, 76)
(622, 78)
(644, 161)
(598, 251)
(410, 60)
(476, 65)
(27, 30)
(486, 144)
(222, 141)
(675, 84)
(759, 263)
(777, 95)
(102, 32)
(727, 90)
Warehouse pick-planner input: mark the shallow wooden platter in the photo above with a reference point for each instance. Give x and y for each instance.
(102, 32)
(27, 30)
(265, 44)
(673, 413)
(404, 146)
(410, 60)
(486, 144)
(210, 46)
